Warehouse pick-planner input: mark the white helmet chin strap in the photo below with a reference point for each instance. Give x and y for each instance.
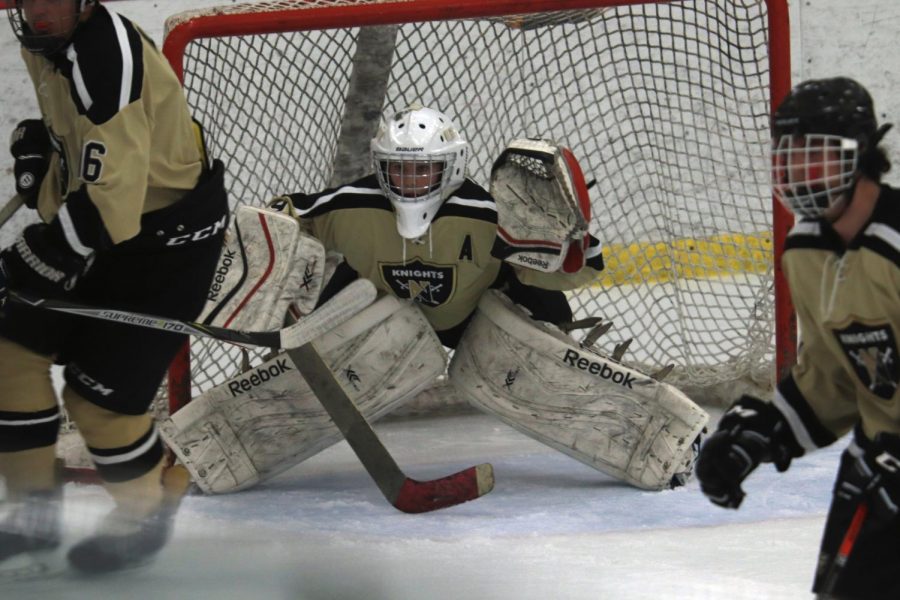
(413, 219)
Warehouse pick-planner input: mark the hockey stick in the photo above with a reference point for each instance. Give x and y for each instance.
(846, 547)
(338, 309)
(14, 204)
(404, 493)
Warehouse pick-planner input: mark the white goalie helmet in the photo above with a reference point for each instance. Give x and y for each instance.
(420, 160)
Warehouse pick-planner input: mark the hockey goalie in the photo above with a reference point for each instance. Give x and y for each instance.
(456, 267)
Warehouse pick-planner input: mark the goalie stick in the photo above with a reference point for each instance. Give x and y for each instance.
(404, 493)
(338, 309)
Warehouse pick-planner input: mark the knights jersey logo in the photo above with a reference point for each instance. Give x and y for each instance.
(872, 351)
(429, 285)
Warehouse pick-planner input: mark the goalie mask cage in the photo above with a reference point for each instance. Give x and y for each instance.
(665, 104)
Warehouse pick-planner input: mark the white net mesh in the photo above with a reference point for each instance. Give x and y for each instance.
(665, 104)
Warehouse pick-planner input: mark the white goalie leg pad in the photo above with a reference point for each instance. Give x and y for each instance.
(267, 262)
(599, 411)
(266, 420)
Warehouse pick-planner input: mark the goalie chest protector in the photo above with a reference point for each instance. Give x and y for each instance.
(597, 410)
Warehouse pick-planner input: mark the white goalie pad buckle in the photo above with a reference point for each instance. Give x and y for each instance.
(265, 420)
(543, 206)
(591, 407)
(267, 263)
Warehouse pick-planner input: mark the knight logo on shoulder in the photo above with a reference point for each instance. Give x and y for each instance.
(872, 353)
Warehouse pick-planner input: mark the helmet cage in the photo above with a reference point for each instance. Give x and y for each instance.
(41, 43)
(416, 186)
(419, 159)
(813, 171)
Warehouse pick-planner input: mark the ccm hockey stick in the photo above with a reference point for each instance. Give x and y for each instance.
(404, 493)
(847, 543)
(14, 204)
(338, 309)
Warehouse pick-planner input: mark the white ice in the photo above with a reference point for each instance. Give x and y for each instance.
(552, 528)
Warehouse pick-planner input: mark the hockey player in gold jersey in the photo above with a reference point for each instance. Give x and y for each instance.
(842, 260)
(420, 229)
(132, 217)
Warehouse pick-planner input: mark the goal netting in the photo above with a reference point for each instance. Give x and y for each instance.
(665, 104)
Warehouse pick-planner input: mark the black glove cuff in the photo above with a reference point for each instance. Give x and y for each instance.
(762, 430)
(30, 137)
(41, 262)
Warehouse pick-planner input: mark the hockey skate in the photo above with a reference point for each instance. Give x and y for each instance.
(125, 542)
(29, 535)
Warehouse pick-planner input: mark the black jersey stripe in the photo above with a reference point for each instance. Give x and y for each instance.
(817, 235)
(800, 416)
(882, 239)
(107, 65)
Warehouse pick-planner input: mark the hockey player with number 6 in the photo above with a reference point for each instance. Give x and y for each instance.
(132, 218)
(842, 261)
(457, 266)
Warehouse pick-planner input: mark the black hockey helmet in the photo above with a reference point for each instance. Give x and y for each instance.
(838, 106)
(40, 43)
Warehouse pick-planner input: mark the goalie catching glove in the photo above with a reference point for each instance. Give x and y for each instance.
(543, 207)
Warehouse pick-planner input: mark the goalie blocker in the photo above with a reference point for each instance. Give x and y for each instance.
(607, 415)
(267, 263)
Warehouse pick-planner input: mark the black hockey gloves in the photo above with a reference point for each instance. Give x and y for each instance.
(42, 262)
(750, 432)
(873, 474)
(30, 147)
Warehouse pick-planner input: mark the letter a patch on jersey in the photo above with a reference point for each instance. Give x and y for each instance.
(426, 284)
(872, 351)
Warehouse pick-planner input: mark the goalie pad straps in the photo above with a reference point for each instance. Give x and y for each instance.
(266, 264)
(543, 207)
(598, 411)
(266, 420)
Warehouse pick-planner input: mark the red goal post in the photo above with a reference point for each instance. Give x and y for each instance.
(665, 103)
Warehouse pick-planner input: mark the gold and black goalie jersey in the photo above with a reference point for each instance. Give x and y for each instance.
(447, 270)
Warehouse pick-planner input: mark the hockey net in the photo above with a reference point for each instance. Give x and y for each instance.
(665, 104)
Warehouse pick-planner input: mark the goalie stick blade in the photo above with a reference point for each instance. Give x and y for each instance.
(425, 496)
(402, 492)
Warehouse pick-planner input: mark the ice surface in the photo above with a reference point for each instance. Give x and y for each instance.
(552, 528)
